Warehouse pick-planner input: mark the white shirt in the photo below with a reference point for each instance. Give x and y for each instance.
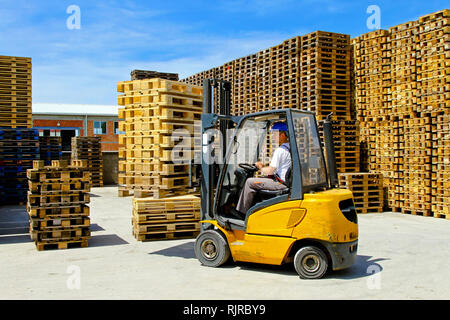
(281, 161)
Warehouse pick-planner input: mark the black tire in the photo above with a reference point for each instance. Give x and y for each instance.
(311, 262)
(211, 248)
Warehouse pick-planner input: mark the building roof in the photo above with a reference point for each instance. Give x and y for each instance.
(75, 109)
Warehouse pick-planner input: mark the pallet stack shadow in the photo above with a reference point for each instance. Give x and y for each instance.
(18, 149)
(90, 149)
(367, 189)
(57, 204)
(401, 94)
(310, 72)
(158, 121)
(169, 218)
(15, 92)
(50, 148)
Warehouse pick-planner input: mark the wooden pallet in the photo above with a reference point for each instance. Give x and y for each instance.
(369, 210)
(166, 236)
(58, 212)
(39, 201)
(81, 243)
(155, 218)
(164, 228)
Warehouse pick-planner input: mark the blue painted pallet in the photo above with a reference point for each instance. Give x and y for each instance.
(18, 131)
(13, 169)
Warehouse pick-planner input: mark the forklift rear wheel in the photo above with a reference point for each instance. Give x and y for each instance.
(211, 248)
(310, 262)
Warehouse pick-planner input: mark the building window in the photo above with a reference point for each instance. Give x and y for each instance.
(116, 127)
(99, 127)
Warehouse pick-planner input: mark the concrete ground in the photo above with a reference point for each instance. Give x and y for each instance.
(399, 257)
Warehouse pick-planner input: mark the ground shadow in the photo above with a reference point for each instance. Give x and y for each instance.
(364, 266)
(106, 240)
(286, 269)
(95, 227)
(184, 250)
(93, 195)
(13, 228)
(17, 238)
(14, 224)
(13, 213)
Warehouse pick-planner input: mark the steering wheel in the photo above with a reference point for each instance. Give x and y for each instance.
(248, 167)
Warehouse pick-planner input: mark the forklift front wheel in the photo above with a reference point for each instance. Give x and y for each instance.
(211, 249)
(310, 262)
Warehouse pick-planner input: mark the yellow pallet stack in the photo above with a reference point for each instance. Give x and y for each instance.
(169, 218)
(367, 189)
(58, 200)
(15, 92)
(401, 96)
(433, 84)
(158, 121)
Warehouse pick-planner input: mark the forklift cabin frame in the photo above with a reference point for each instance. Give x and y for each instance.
(210, 209)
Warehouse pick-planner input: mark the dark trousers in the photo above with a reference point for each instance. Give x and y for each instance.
(252, 185)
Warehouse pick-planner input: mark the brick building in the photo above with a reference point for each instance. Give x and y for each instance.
(70, 120)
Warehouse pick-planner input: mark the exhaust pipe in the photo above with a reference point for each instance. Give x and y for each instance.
(329, 148)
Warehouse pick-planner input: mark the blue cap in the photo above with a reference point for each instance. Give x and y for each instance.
(279, 126)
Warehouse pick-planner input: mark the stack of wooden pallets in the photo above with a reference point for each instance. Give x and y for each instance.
(57, 204)
(371, 79)
(284, 75)
(402, 86)
(310, 72)
(158, 122)
(169, 218)
(50, 148)
(346, 144)
(90, 149)
(433, 93)
(18, 149)
(15, 92)
(325, 74)
(440, 169)
(400, 102)
(147, 74)
(367, 189)
(325, 88)
(244, 93)
(264, 87)
(405, 115)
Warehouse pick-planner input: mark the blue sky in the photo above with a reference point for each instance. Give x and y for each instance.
(83, 66)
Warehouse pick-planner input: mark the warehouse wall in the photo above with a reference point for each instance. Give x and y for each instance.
(109, 140)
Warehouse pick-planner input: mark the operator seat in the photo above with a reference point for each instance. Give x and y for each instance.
(268, 194)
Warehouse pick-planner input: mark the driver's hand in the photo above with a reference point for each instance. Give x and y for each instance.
(259, 165)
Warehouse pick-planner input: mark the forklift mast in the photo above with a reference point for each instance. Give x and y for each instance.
(209, 121)
(329, 149)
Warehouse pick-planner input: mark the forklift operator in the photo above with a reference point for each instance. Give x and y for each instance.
(275, 172)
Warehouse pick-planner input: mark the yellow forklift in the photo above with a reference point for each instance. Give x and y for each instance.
(311, 223)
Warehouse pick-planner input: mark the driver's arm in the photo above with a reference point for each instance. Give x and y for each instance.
(274, 164)
(268, 171)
